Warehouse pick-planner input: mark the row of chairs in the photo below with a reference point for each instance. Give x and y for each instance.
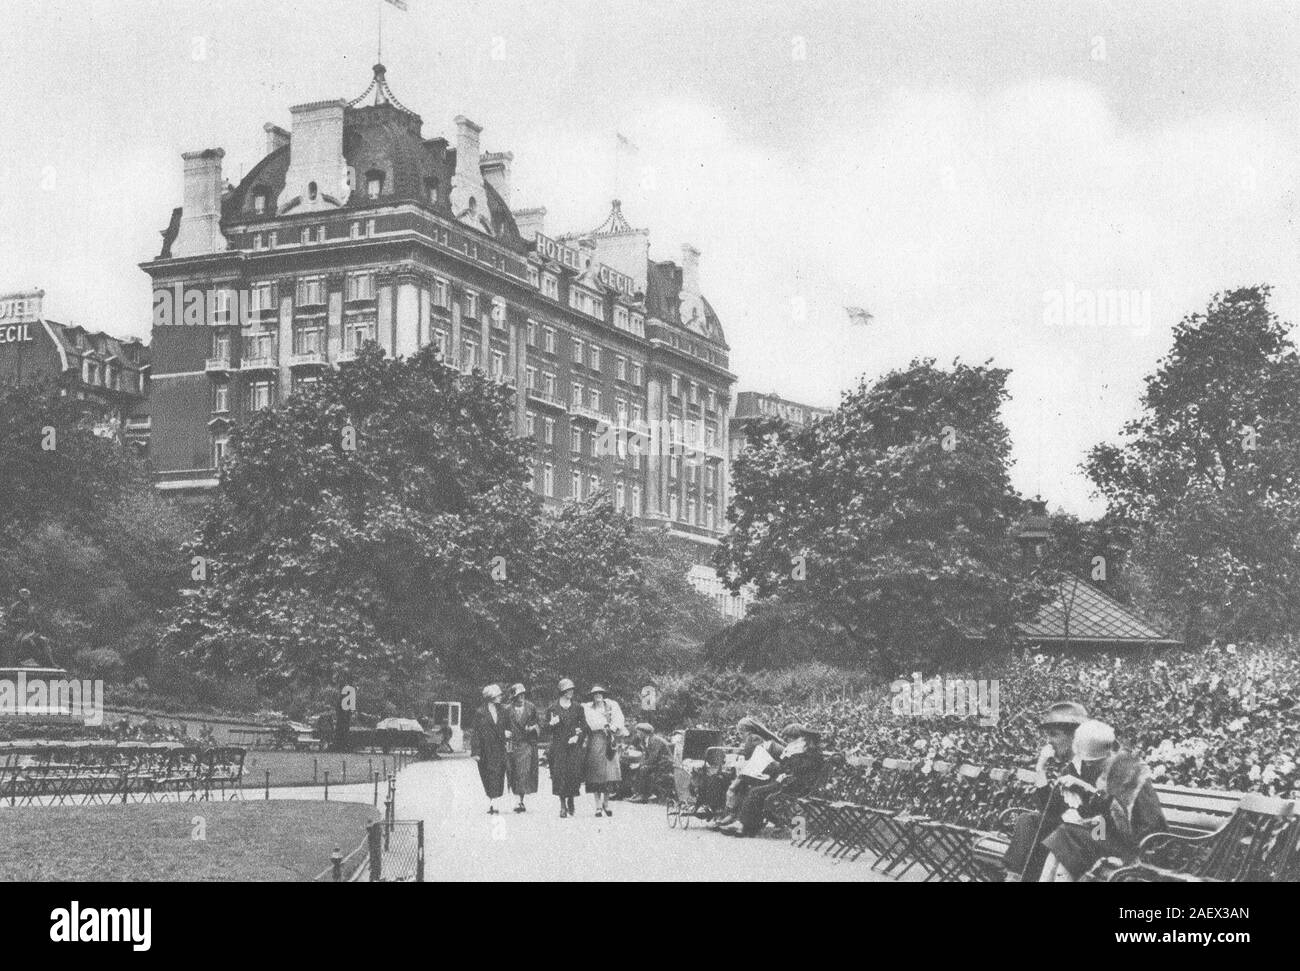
(953, 821)
(89, 773)
(907, 813)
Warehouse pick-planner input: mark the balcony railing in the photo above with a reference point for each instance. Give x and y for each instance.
(583, 411)
(259, 362)
(545, 398)
(217, 364)
(308, 358)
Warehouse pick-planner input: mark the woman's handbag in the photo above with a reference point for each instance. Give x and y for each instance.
(611, 749)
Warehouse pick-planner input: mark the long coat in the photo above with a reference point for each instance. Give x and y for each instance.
(489, 745)
(566, 752)
(1079, 845)
(521, 755)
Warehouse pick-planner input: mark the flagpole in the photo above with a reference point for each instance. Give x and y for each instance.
(379, 40)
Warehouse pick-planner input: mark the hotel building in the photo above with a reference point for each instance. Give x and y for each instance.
(356, 227)
(110, 374)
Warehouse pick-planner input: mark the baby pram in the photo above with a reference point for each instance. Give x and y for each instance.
(698, 778)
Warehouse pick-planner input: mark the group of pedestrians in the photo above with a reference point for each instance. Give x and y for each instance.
(583, 749)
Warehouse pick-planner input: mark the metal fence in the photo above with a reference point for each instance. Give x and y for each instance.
(397, 851)
(394, 848)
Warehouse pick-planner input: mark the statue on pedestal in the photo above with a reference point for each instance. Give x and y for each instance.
(23, 644)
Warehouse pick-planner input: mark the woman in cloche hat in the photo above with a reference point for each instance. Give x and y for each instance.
(565, 720)
(604, 727)
(525, 730)
(488, 745)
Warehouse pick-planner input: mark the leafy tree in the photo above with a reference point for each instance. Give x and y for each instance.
(1207, 474)
(52, 464)
(356, 528)
(418, 560)
(82, 527)
(891, 517)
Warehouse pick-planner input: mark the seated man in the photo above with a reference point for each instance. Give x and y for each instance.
(1106, 821)
(655, 774)
(741, 784)
(798, 766)
(1025, 853)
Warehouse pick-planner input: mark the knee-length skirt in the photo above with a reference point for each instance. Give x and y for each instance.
(601, 772)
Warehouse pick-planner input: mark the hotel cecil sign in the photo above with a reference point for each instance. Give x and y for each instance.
(549, 249)
(18, 311)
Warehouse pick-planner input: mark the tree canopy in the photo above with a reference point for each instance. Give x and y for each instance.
(891, 517)
(1208, 475)
(379, 529)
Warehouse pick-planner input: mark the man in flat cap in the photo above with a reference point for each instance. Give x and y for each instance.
(655, 776)
(1025, 853)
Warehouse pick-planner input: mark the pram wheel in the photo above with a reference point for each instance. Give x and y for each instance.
(674, 810)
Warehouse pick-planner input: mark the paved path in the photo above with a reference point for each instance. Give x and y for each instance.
(462, 842)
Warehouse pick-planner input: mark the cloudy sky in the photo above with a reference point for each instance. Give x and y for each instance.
(965, 171)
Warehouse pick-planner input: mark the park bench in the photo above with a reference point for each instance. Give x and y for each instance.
(1199, 821)
(1255, 843)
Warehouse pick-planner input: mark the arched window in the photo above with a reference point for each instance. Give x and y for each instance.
(259, 201)
(312, 191)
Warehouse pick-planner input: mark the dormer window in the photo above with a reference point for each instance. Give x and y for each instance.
(374, 184)
(259, 201)
(312, 191)
(431, 191)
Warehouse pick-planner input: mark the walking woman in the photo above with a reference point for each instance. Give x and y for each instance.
(525, 728)
(488, 745)
(604, 727)
(565, 720)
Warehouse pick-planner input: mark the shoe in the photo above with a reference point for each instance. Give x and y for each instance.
(733, 829)
(608, 811)
(564, 814)
(520, 809)
(492, 811)
(639, 799)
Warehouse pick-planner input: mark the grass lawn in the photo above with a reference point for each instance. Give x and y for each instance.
(295, 768)
(286, 841)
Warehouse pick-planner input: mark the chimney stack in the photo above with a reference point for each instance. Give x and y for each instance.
(200, 228)
(495, 169)
(530, 222)
(690, 269)
(316, 156)
(276, 137)
(467, 153)
(467, 181)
